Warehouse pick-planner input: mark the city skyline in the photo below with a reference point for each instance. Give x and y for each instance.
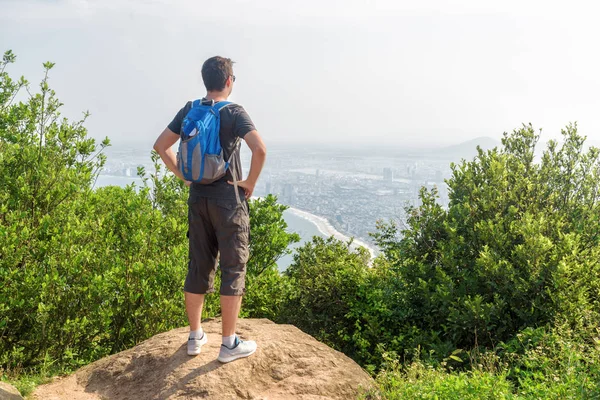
(351, 190)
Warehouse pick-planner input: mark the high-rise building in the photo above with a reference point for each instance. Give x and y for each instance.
(388, 174)
(288, 193)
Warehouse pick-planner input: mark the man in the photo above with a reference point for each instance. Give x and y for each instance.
(218, 223)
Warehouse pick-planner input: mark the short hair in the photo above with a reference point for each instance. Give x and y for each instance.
(215, 72)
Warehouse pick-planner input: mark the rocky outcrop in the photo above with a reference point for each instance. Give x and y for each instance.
(9, 392)
(288, 364)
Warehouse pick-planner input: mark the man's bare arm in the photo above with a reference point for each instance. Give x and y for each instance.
(259, 155)
(163, 145)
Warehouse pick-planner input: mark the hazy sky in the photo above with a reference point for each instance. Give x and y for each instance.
(310, 71)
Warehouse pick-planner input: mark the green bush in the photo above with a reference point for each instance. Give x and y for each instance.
(556, 363)
(46, 165)
(540, 363)
(332, 295)
(518, 246)
(510, 269)
(421, 381)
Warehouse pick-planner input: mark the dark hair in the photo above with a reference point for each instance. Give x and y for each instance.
(215, 72)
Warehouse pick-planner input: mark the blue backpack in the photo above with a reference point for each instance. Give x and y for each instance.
(200, 157)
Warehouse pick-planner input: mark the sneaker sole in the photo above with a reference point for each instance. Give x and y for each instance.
(203, 341)
(229, 359)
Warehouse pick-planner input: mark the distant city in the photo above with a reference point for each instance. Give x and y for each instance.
(353, 189)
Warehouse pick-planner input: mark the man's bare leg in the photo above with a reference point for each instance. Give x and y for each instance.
(232, 347)
(193, 306)
(197, 338)
(230, 309)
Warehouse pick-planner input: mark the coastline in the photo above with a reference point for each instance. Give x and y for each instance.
(327, 230)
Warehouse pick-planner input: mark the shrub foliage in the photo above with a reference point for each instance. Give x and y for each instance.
(517, 246)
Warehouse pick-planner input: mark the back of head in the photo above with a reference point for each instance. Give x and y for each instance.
(215, 72)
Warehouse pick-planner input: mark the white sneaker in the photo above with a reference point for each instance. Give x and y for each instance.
(241, 349)
(195, 344)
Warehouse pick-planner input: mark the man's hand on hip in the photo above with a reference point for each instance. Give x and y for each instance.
(247, 186)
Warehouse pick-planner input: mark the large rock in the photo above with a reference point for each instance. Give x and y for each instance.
(9, 392)
(287, 365)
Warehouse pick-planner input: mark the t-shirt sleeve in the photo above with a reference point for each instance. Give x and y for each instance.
(242, 124)
(175, 125)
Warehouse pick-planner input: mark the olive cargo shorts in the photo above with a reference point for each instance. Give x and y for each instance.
(217, 227)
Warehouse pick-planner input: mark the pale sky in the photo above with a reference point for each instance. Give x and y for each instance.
(399, 73)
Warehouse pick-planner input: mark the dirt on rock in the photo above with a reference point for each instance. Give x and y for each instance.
(288, 364)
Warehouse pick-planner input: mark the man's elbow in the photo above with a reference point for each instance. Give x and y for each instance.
(260, 151)
(157, 147)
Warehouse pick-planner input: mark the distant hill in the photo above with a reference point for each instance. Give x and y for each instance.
(466, 150)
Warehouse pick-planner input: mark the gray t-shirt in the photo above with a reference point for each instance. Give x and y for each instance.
(235, 123)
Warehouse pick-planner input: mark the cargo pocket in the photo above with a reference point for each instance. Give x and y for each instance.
(232, 214)
(232, 227)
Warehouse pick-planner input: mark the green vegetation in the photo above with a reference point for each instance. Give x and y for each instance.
(494, 297)
(537, 364)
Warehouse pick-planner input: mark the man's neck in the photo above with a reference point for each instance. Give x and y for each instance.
(216, 96)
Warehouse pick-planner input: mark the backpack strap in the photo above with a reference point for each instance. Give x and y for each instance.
(217, 106)
(221, 104)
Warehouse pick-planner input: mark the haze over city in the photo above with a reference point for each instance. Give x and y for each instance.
(399, 74)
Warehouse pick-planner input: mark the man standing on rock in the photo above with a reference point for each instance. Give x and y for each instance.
(218, 221)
